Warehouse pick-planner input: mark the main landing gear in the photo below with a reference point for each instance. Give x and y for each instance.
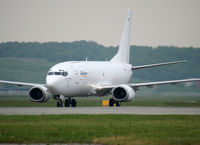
(67, 102)
(112, 102)
(72, 102)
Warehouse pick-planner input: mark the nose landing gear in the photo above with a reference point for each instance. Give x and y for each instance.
(59, 103)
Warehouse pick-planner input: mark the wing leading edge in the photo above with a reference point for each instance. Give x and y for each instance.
(20, 83)
(152, 84)
(157, 64)
(136, 86)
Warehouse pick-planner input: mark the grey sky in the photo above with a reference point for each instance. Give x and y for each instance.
(155, 22)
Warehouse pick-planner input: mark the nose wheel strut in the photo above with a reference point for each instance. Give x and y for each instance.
(59, 103)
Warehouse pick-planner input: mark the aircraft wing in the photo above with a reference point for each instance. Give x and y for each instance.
(20, 83)
(158, 64)
(152, 84)
(136, 86)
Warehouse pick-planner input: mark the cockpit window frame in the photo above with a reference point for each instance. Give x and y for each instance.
(50, 73)
(64, 73)
(58, 73)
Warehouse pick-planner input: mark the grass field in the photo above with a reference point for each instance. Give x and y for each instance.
(101, 129)
(171, 101)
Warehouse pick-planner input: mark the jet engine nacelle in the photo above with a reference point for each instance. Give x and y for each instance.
(39, 94)
(123, 93)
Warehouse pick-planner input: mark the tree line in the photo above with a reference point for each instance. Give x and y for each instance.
(140, 55)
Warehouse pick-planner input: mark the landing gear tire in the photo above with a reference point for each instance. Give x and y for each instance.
(111, 102)
(73, 103)
(67, 102)
(118, 104)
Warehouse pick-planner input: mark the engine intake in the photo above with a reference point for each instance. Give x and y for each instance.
(39, 94)
(123, 93)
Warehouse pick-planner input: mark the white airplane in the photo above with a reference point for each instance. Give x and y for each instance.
(94, 78)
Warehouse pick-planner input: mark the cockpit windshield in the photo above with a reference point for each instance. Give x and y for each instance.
(58, 73)
(50, 73)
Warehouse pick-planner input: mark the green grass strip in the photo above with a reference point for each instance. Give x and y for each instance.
(101, 129)
(22, 101)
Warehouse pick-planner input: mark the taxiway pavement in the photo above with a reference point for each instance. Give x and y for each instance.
(99, 110)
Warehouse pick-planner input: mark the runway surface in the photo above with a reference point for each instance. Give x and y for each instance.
(99, 110)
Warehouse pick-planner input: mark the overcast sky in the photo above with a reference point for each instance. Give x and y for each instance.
(155, 22)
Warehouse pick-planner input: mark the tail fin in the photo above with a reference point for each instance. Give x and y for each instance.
(123, 53)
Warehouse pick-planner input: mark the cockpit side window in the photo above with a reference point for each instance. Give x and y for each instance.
(64, 74)
(50, 73)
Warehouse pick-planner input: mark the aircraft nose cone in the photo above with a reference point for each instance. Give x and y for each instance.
(52, 85)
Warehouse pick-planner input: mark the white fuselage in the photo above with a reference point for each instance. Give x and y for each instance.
(81, 77)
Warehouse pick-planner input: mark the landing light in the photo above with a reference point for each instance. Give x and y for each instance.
(94, 86)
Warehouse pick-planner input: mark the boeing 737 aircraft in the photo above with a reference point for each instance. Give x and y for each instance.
(94, 78)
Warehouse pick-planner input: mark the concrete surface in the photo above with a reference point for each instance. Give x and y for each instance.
(98, 110)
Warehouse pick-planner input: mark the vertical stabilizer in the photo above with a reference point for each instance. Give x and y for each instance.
(123, 53)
